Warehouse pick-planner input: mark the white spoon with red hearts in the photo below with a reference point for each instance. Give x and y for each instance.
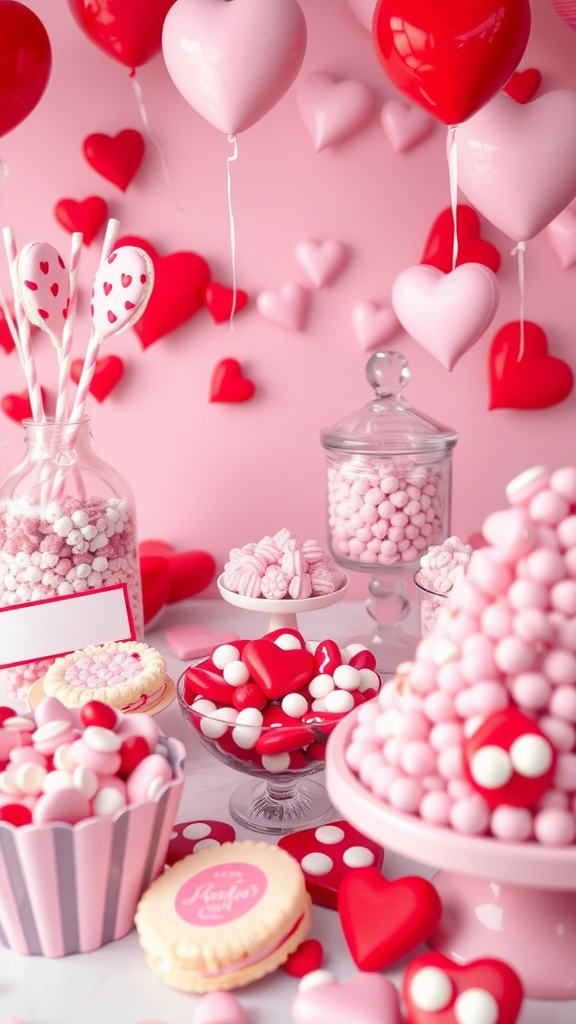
(44, 286)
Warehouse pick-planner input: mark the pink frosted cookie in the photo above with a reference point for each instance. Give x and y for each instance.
(281, 567)
(130, 676)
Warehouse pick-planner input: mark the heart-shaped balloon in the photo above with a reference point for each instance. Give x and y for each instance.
(364, 999)
(445, 313)
(472, 248)
(220, 301)
(122, 286)
(26, 59)
(44, 287)
(155, 578)
(517, 163)
(107, 374)
(438, 991)
(523, 85)
(127, 30)
(561, 233)
(190, 571)
(287, 307)
(18, 407)
(86, 216)
(451, 57)
(229, 384)
(6, 339)
(321, 261)
(404, 125)
(116, 157)
(233, 62)
(524, 375)
(374, 325)
(333, 110)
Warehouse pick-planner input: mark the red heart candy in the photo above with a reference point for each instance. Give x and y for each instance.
(86, 216)
(509, 760)
(228, 384)
(528, 380)
(471, 247)
(219, 300)
(307, 957)
(330, 846)
(523, 85)
(481, 990)
(180, 281)
(278, 672)
(189, 833)
(327, 657)
(249, 695)
(115, 157)
(6, 340)
(18, 407)
(107, 374)
(199, 681)
(155, 584)
(383, 921)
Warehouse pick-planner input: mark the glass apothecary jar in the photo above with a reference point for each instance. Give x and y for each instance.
(389, 483)
(67, 525)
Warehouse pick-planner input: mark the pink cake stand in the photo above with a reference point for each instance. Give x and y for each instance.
(282, 614)
(512, 901)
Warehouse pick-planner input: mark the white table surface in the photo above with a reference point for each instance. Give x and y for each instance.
(113, 985)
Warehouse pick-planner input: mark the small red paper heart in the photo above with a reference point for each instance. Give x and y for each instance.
(18, 407)
(528, 379)
(86, 216)
(6, 340)
(494, 989)
(180, 281)
(383, 921)
(471, 247)
(307, 957)
(115, 157)
(155, 585)
(107, 374)
(219, 300)
(277, 671)
(228, 383)
(523, 85)
(331, 846)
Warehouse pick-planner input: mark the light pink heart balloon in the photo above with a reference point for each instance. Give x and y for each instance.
(220, 1008)
(232, 62)
(374, 325)
(446, 313)
(44, 286)
(122, 286)
(517, 162)
(287, 307)
(364, 11)
(321, 261)
(363, 999)
(404, 125)
(333, 110)
(561, 233)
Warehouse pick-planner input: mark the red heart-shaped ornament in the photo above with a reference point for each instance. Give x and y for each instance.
(86, 216)
(525, 377)
(228, 383)
(107, 374)
(115, 157)
(471, 247)
(332, 852)
(307, 957)
(523, 85)
(180, 281)
(481, 990)
(18, 407)
(155, 577)
(383, 921)
(220, 300)
(190, 571)
(276, 671)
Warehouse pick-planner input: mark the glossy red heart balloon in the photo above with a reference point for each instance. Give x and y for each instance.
(471, 247)
(493, 989)
(229, 384)
(107, 375)
(189, 571)
(528, 379)
(130, 31)
(220, 299)
(450, 57)
(25, 61)
(115, 157)
(523, 85)
(86, 216)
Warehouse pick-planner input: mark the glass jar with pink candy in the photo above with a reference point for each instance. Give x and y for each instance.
(67, 518)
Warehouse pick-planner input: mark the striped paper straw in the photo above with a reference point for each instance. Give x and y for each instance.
(25, 348)
(66, 349)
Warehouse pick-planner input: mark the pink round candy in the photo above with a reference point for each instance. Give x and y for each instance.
(470, 815)
(110, 797)
(563, 481)
(523, 487)
(405, 795)
(103, 762)
(418, 759)
(435, 808)
(513, 824)
(148, 778)
(555, 827)
(67, 805)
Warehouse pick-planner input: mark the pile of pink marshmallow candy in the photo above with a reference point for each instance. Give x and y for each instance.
(281, 566)
(441, 567)
(66, 764)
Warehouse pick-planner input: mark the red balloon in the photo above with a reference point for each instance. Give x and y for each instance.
(450, 56)
(128, 30)
(25, 61)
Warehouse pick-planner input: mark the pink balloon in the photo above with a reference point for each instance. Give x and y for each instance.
(517, 162)
(233, 60)
(561, 233)
(446, 313)
(333, 110)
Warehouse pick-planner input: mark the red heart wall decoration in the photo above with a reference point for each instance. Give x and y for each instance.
(219, 300)
(5, 337)
(115, 157)
(180, 281)
(523, 85)
(189, 571)
(531, 380)
(107, 375)
(471, 247)
(155, 584)
(86, 216)
(18, 407)
(229, 384)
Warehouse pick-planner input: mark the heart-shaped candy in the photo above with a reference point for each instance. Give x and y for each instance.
(278, 671)
(374, 325)
(363, 999)
(509, 760)
(44, 287)
(229, 384)
(438, 991)
(18, 407)
(287, 307)
(220, 1008)
(446, 313)
(155, 577)
(122, 287)
(189, 642)
(307, 957)
(321, 261)
(333, 110)
(526, 376)
(383, 921)
(561, 233)
(86, 216)
(220, 301)
(471, 247)
(188, 837)
(329, 854)
(523, 85)
(107, 374)
(403, 125)
(115, 157)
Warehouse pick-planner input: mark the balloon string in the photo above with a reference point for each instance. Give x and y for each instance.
(453, 176)
(139, 95)
(234, 156)
(519, 251)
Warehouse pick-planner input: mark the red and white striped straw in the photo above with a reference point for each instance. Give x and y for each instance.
(65, 352)
(25, 348)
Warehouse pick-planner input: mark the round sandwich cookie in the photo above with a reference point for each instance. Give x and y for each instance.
(224, 917)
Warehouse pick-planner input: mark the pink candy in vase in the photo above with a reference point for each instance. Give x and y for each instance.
(441, 567)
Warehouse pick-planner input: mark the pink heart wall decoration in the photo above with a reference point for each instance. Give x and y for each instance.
(374, 325)
(445, 313)
(333, 110)
(287, 307)
(404, 126)
(561, 233)
(321, 261)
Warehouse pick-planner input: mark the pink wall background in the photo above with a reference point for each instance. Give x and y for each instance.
(214, 475)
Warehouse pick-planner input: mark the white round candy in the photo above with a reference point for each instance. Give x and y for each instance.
(320, 686)
(249, 716)
(101, 739)
(531, 755)
(311, 645)
(358, 857)
(19, 724)
(316, 864)
(197, 830)
(206, 844)
(369, 680)
(339, 701)
(63, 760)
(63, 526)
(213, 728)
(490, 767)
(235, 673)
(349, 651)
(476, 1006)
(247, 729)
(57, 780)
(50, 731)
(314, 978)
(431, 989)
(29, 777)
(294, 705)
(224, 654)
(318, 705)
(346, 677)
(85, 780)
(287, 642)
(203, 706)
(329, 834)
(276, 762)
(107, 801)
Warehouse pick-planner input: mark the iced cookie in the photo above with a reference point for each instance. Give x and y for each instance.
(130, 676)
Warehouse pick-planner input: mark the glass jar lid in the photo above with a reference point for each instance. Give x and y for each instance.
(388, 425)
